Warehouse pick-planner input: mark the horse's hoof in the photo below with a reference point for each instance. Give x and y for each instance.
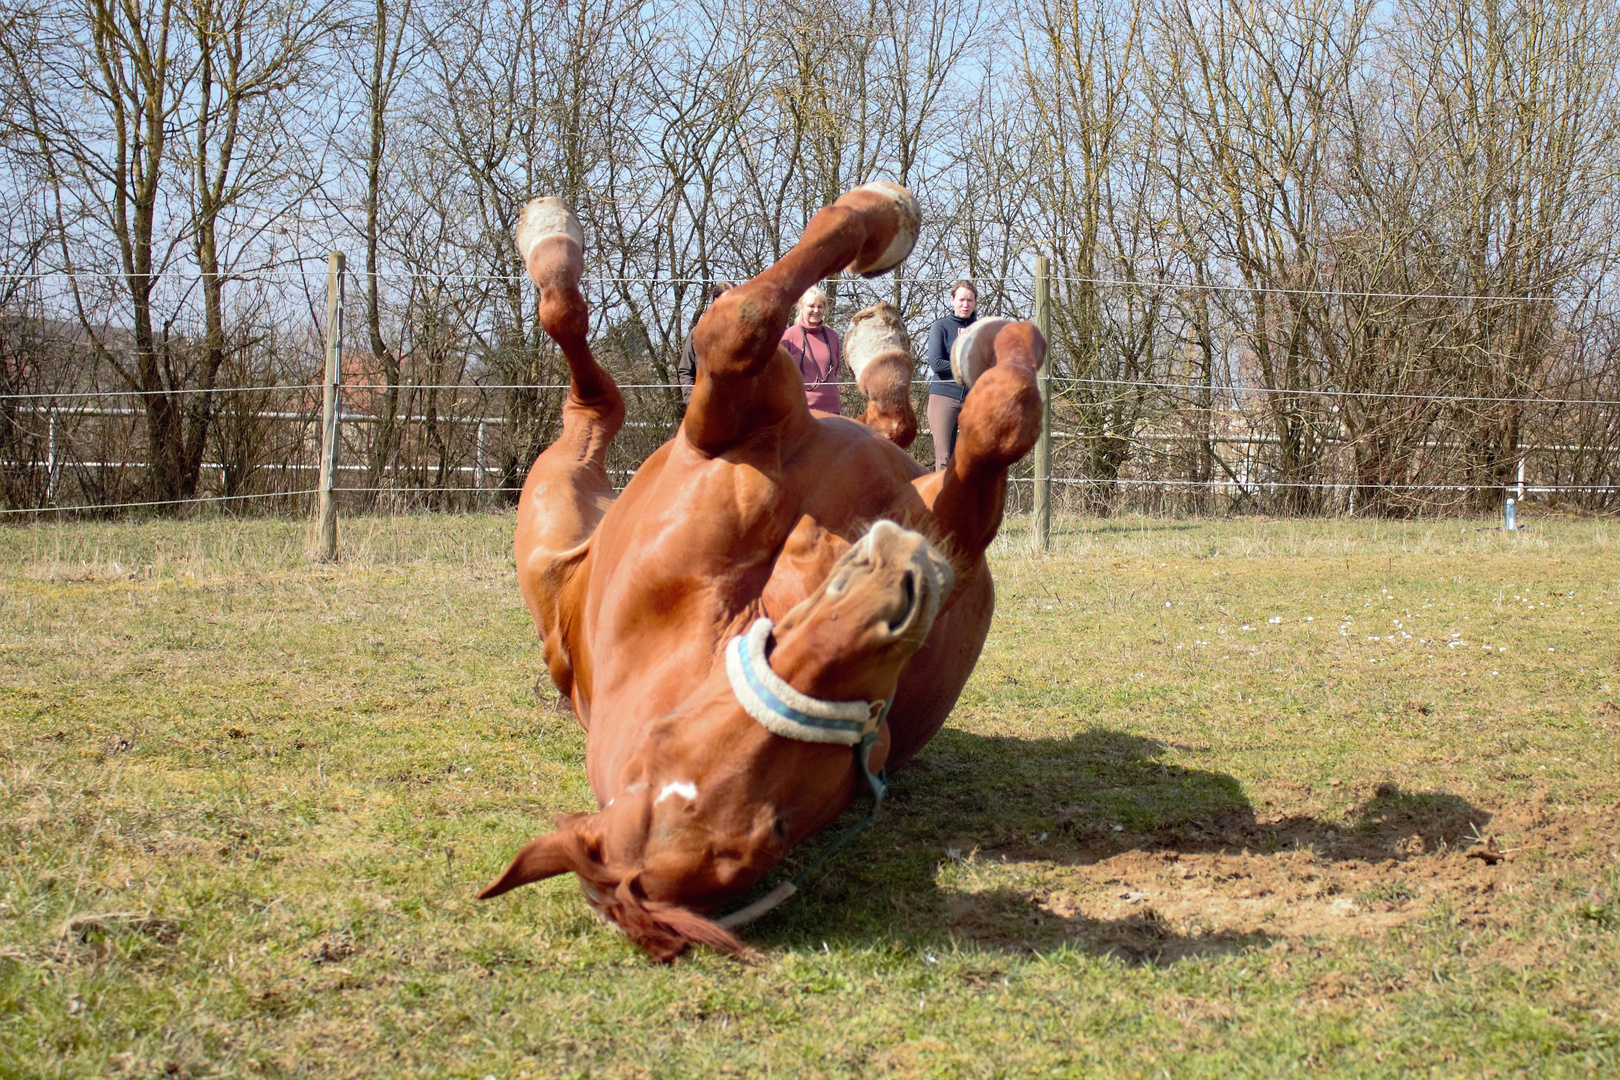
(541, 220)
(975, 350)
(892, 229)
(545, 217)
(873, 332)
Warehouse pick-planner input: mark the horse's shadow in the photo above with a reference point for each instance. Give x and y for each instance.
(1067, 803)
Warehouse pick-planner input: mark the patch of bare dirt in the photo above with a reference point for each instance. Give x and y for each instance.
(1225, 884)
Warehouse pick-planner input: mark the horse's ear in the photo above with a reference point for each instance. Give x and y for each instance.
(543, 857)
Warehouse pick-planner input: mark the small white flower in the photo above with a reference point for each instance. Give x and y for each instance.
(1275, 619)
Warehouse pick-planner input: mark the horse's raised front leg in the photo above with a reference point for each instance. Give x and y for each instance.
(745, 382)
(1000, 421)
(567, 490)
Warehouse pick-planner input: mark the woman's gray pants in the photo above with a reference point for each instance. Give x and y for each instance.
(942, 414)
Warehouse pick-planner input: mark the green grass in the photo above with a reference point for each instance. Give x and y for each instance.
(1204, 810)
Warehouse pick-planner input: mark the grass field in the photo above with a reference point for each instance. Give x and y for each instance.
(1210, 806)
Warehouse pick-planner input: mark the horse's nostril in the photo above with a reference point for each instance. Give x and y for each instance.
(908, 589)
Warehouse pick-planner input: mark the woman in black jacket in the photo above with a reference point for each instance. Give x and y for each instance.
(686, 366)
(945, 394)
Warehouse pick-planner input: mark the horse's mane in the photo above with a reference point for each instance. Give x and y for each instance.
(663, 931)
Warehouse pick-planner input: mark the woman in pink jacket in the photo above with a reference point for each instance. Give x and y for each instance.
(815, 347)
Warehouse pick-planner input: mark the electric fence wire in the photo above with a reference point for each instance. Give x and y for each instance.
(195, 500)
(601, 280)
(1061, 380)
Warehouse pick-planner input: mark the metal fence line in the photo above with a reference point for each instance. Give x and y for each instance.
(1223, 485)
(1149, 384)
(288, 276)
(99, 507)
(1371, 395)
(922, 429)
(312, 415)
(491, 470)
(75, 394)
(1162, 435)
(1317, 485)
(418, 480)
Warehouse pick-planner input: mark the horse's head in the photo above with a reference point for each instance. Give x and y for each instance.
(764, 754)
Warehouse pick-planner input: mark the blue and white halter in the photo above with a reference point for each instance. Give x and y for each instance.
(784, 710)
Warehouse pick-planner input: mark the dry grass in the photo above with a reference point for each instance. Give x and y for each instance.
(1205, 809)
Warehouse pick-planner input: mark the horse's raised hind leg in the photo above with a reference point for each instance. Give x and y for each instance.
(567, 490)
(741, 387)
(1000, 421)
(879, 353)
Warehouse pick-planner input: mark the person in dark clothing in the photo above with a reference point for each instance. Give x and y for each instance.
(686, 366)
(945, 394)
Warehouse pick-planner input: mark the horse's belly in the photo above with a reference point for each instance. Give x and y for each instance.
(688, 557)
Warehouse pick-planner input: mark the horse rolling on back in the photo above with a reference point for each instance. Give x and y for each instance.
(841, 577)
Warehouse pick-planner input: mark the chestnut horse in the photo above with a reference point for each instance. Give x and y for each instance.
(773, 587)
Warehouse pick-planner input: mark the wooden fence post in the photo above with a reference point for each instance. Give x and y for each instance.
(1041, 527)
(326, 517)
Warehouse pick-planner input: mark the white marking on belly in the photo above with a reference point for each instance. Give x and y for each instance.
(684, 788)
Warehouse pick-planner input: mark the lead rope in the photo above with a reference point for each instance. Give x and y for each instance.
(879, 784)
(784, 711)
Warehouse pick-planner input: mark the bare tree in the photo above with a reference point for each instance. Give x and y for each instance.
(522, 98)
(159, 125)
(1261, 87)
(1510, 122)
(1098, 205)
(389, 44)
(1311, 246)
